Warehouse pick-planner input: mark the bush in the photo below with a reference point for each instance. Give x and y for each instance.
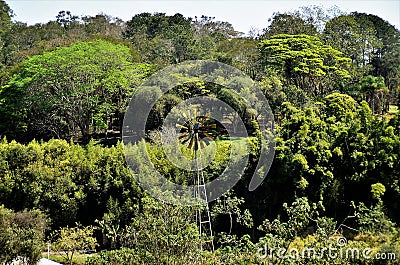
(67, 181)
(21, 235)
(115, 257)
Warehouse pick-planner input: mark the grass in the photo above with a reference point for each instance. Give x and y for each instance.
(393, 111)
(78, 259)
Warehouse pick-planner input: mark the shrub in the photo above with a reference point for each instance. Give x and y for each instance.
(21, 235)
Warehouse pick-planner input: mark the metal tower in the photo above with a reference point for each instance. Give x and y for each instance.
(197, 133)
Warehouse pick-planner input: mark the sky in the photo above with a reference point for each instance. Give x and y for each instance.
(243, 15)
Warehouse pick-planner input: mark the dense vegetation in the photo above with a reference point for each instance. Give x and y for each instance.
(332, 80)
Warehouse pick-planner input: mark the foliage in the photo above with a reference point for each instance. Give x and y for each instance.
(241, 53)
(69, 240)
(371, 43)
(81, 87)
(160, 233)
(339, 105)
(291, 24)
(377, 189)
(299, 215)
(305, 62)
(229, 205)
(373, 219)
(115, 257)
(68, 182)
(308, 20)
(374, 89)
(21, 235)
(175, 31)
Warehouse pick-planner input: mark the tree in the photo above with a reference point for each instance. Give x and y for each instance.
(5, 17)
(164, 233)
(229, 205)
(374, 89)
(305, 62)
(372, 43)
(103, 24)
(241, 53)
(5, 23)
(20, 41)
(174, 32)
(217, 30)
(209, 35)
(339, 105)
(386, 56)
(81, 87)
(308, 20)
(355, 38)
(299, 214)
(317, 16)
(69, 240)
(66, 20)
(286, 23)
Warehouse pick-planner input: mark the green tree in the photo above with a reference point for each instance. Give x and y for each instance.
(298, 216)
(374, 89)
(217, 30)
(339, 105)
(229, 205)
(287, 23)
(164, 233)
(21, 41)
(241, 53)
(103, 24)
(374, 219)
(67, 181)
(372, 43)
(174, 33)
(69, 240)
(5, 25)
(82, 87)
(342, 34)
(208, 36)
(305, 62)
(386, 59)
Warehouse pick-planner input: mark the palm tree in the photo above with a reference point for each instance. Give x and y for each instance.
(374, 89)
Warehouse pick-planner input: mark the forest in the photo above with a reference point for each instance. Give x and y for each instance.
(332, 82)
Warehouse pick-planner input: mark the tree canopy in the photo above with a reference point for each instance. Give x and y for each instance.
(305, 62)
(81, 87)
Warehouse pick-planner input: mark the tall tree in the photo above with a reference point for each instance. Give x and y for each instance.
(286, 23)
(305, 62)
(386, 56)
(103, 24)
(77, 88)
(372, 43)
(5, 22)
(217, 30)
(174, 32)
(241, 53)
(308, 20)
(374, 89)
